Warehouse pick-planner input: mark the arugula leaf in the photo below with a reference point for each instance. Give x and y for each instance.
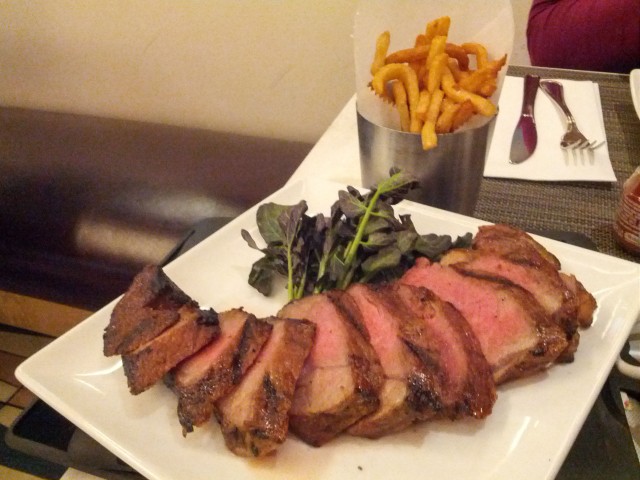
(361, 241)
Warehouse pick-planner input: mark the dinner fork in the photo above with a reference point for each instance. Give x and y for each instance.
(573, 137)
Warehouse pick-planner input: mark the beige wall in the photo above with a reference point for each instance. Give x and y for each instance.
(278, 69)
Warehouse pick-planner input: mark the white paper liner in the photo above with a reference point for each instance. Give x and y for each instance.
(488, 23)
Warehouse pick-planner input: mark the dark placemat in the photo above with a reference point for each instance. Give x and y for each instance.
(584, 207)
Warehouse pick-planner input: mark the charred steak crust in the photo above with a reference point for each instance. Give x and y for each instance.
(410, 388)
(149, 307)
(447, 342)
(150, 362)
(341, 378)
(254, 417)
(211, 373)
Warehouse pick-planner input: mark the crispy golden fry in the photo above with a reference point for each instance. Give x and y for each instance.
(423, 105)
(459, 53)
(428, 133)
(432, 84)
(408, 55)
(476, 79)
(481, 104)
(382, 46)
(436, 68)
(479, 51)
(400, 99)
(464, 113)
(448, 110)
(421, 39)
(397, 71)
(439, 26)
(437, 47)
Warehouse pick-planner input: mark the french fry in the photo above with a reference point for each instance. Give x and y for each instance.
(459, 53)
(436, 47)
(408, 55)
(400, 99)
(432, 84)
(397, 71)
(439, 26)
(382, 46)
(479, 51)
(464, 113)
(428, 133)
(423, 105)
(448, 110)
(481, 104)
(434, 75)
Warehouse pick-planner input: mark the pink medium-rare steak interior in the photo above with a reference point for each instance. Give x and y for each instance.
(410, 389)
(445, 339)
(215, 369)
(341, 377)
(515, 334)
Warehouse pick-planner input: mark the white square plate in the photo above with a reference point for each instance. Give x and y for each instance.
(528, 435)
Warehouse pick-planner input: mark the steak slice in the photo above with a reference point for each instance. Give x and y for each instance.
(342, 376)
(148, 363)
(542, 280)
(212, 372)
(149, 307)
(516, 335)
(514, 244)
(254, 417)
(444, 340)
(586, 302)
(410, 388)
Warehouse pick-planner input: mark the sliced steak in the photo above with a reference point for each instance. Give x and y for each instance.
(410, 388)
(542, 280)
(514, 244)
(254, 417)
(586, 302)
(445, 341)
(149, 307)
(516, 335)
(148, 363)
(341, 378)
(211, 373)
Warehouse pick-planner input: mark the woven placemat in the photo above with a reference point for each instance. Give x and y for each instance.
(583, 207)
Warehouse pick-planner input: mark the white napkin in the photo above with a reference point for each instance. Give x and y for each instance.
(549, 162)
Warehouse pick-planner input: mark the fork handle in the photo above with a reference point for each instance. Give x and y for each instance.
(556, 92)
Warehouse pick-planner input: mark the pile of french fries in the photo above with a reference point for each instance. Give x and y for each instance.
(432, 84)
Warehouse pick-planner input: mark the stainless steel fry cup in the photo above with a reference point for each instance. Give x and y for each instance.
(449, 174)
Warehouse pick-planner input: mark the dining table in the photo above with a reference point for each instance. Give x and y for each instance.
(576, 212)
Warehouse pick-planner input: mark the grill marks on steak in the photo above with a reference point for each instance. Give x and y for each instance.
(342, 376)
(444, 339)
(542, 280)
(205, 377)
(515, 334)
(432, 363)
(410, 388)
(254, 417)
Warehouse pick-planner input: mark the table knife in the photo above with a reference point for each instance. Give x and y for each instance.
(525, 136)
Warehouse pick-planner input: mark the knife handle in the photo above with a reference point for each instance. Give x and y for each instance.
(531, 84)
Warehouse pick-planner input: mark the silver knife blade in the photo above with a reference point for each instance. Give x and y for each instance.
(525, 136)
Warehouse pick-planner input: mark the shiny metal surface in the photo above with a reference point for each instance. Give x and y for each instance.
(449, 175)
(573, 137)
(525, 136)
